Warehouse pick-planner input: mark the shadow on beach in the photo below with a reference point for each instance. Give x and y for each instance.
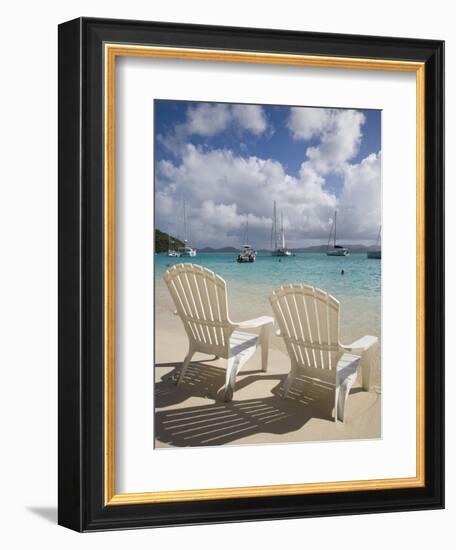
(217, 422)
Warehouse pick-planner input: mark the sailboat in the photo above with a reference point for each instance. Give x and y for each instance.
(247, 254)
(172, 252)
(376, 253)
(277, 250)
(186, 250)
(335, 249)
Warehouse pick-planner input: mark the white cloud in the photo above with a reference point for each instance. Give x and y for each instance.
(220, 187)
(210, 119)
(339, 131)
(306, 122)
(360, 201)
(250, 117)
(207, 119)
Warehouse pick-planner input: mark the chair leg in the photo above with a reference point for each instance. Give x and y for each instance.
(264, 343)
(185, 364)
(341, 397)
(232, 368)
(336, 404)
(289, 381)
(366, 364)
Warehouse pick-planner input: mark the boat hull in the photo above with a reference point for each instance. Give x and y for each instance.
(338, 252)
(246, 255)
(187, 251)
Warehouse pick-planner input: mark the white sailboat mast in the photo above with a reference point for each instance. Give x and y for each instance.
(275, 226)
(283, 232)
(185, 224)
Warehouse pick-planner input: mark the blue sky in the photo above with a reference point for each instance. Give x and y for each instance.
(230, 161)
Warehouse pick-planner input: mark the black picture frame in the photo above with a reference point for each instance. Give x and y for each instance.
(81, 322)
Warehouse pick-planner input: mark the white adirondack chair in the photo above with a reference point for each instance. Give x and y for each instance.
(308, 320)
(201, 302)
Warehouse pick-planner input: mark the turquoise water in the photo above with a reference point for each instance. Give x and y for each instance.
(250, 284)
(362, 275)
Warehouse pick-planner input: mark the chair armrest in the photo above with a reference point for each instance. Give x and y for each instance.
(362, 344)
(255, 323)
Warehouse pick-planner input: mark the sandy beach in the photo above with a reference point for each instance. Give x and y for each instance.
(191, 415)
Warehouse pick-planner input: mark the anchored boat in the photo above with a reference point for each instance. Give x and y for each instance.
(278, 244)
(186, 250)
(376, 253)
(335, 249)
(172, 252)
(247, 253)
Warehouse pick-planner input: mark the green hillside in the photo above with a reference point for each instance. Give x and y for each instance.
(162, 241)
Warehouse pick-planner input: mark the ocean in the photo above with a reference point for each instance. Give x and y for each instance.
(250, 284)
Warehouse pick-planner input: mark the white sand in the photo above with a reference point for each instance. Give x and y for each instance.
(190, 414)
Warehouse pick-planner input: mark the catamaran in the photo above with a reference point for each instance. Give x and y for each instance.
(186, 250)
(277, 250)
(376, 253)
(247, 254)
(172, 252)
(336, 249)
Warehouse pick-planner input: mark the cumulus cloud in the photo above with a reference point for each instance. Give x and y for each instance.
(306, 122)
(360, 199)
(250, 118)
(221, 187)
(339, 133)
(207, 119)
(210, 119)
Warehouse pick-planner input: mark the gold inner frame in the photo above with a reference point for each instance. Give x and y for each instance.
(111, 52)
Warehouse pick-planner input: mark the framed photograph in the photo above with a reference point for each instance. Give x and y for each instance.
(250, 274)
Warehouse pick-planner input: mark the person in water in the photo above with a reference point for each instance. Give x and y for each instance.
(342, 272)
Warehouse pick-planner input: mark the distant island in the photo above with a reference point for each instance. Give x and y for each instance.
(218, 250)
(354, 249)
(163, 240)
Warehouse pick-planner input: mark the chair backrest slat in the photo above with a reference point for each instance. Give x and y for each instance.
(308, 319)
(200, 299)
(211, 288)
(187, 290)
(301, 309)
(210, 306)
(199, 307)
(296, 325)
(322, 316)
(182, 304)
(285, 322)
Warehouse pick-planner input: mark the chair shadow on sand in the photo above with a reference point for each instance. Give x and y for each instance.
(218, 423)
